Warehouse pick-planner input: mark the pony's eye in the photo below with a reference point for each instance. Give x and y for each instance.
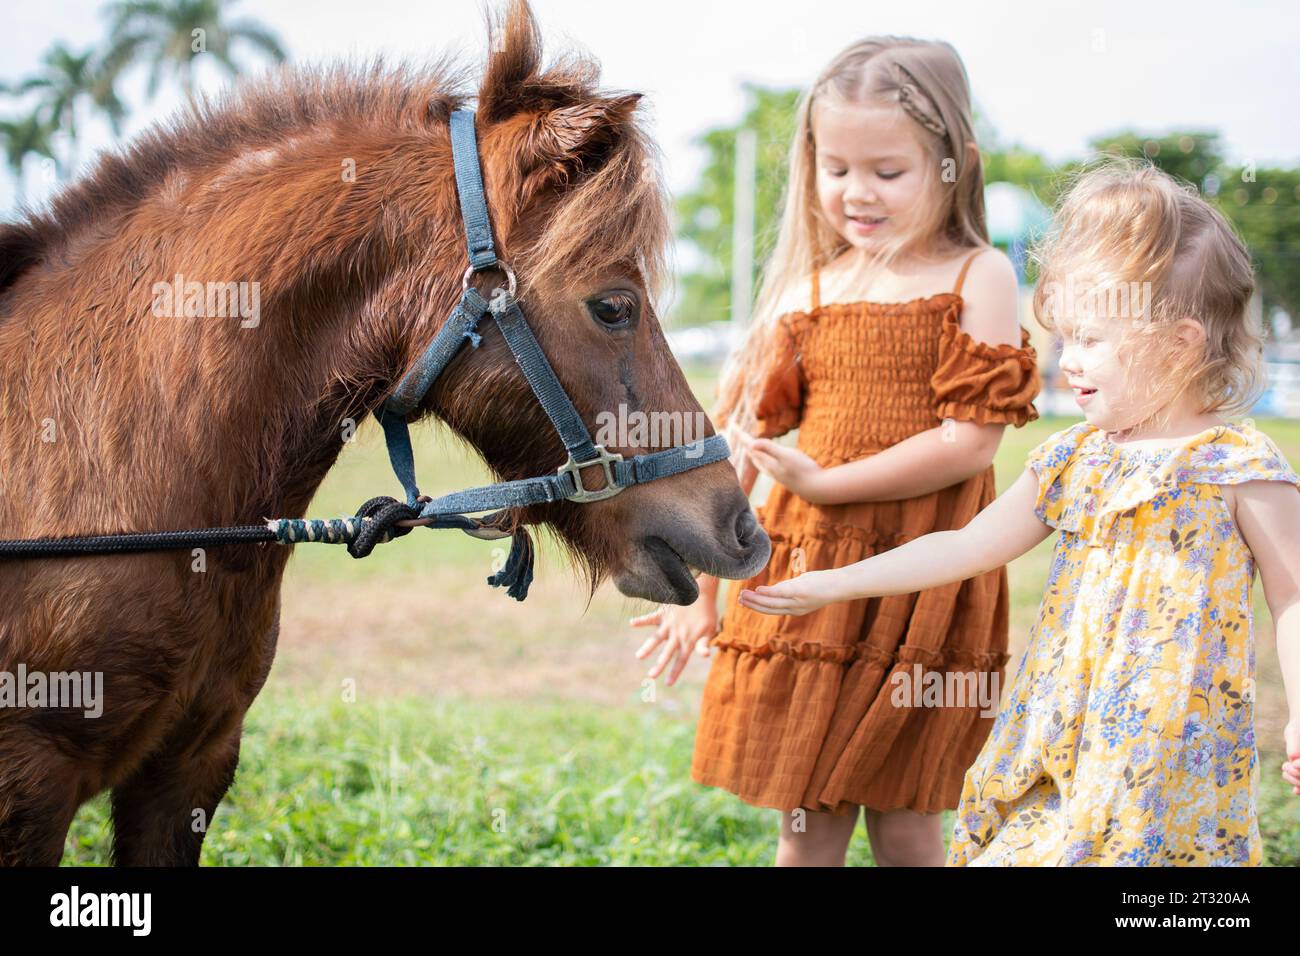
(615, 310)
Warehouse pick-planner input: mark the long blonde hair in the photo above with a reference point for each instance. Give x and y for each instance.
(926, 79)
(1124, 225)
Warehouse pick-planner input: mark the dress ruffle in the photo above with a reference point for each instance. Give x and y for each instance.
(1086, 481)
(829, 535)
(780, 406)
(981, 382)
(941, 659)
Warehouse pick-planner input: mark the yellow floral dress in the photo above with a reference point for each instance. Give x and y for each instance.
(1128, 735)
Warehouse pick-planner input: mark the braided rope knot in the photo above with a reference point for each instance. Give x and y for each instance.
(374, 523)
(378, 519)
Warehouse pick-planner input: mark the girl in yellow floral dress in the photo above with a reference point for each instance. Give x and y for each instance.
(1127, 737)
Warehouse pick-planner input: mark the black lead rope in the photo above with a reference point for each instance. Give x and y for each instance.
(374, 523)
(124, 543)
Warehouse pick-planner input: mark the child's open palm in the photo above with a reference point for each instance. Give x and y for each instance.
(785, 465)
(683, 632)
(800, 595)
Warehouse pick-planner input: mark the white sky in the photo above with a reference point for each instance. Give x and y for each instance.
(1048, 75)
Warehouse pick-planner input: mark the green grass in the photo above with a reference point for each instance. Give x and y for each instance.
(413, 781)
(486, 768)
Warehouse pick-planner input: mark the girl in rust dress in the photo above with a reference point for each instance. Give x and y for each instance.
(887, 333)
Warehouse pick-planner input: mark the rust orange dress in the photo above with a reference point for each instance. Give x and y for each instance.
(797, 711)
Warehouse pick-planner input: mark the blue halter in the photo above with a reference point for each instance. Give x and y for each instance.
(566, 483)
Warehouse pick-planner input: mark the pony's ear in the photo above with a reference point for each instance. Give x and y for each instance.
(571, 139)
(511, 80)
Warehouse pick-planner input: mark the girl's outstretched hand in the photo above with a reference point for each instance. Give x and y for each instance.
(1291, 767)
(682, 631)
(787, 466)
(807, 592)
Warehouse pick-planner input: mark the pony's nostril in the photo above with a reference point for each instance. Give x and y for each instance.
(746, 525)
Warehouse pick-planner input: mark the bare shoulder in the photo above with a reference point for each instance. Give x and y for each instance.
(1261, 494)
(797, 297)
(991, 299)
(1263, 508)
(1267, 513)
(990, 267)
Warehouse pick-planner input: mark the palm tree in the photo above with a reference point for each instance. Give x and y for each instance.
(65, 79)
(167, 35)
(21, 138)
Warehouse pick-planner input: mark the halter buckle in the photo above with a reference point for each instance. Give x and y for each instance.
(604, 459)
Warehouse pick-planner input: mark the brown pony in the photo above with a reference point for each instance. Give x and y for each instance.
(116, 419)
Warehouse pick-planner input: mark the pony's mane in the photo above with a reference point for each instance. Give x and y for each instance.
(617, 209)
(214, 131)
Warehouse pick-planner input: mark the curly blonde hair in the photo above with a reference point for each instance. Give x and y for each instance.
(1144, 242)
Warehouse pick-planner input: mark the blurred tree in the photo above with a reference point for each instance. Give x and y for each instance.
(1013, 163)
(63, 82)
(1264, 205)
(167, 36)
(705, 213)
(1189, 156)
(1024, 168)
(21, 138)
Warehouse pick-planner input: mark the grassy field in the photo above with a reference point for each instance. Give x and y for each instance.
(416, 715)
